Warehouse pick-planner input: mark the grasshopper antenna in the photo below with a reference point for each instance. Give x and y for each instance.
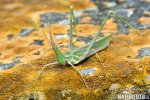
(42, 31)
(51, 37)
(123, 20)
(51, 42)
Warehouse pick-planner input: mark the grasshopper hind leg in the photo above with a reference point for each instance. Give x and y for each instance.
(111, 13)
(123, 20)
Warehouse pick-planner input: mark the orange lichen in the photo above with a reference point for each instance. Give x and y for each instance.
(147, 0)
(144, 20)
(119, 69)
(86, 19)
(21, 12)
(88, 29)
(148, 13)
(59, 29)
(119, 59)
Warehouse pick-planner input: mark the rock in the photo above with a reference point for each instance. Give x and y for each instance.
(38, 42)
(62, 18)
(125, 13)
(140, 68)
(31, 96)
(123, 29)
(143, 52)
(132, 3)
(9, 65)
(84, 39)
(56, 80)
(88, 71)
(142, 26)
(64, 92)
(37, 53)
(59, 36)
(124, 10)
(114, 87)
(147, 79)
(111, 4)
(25, 32)
(52, 18)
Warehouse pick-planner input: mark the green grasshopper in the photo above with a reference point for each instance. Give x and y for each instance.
(76, 55)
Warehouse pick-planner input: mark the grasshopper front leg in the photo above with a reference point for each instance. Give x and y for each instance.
(80, 75)
(45, 67)
(71, 29)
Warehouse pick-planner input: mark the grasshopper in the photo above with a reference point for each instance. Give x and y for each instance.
(76, 55)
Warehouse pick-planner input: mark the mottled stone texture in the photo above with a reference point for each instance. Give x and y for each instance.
(124, 66)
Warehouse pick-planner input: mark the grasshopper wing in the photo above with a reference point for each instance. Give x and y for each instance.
(98, 45)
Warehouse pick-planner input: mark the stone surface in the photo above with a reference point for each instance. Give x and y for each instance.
(53, 18)
(130, 10)
(88, 71)
(38, 42)
(9, 65)
(59, 36)
(84, 39)
(143, 53)
(25, 32)
(10, 36)
(123, 71)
